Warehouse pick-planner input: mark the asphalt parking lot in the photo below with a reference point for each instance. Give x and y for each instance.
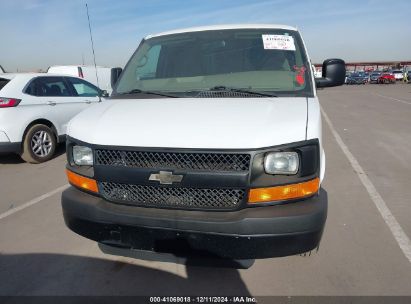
(362, 251)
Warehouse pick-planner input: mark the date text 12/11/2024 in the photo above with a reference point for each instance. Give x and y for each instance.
(203, 299)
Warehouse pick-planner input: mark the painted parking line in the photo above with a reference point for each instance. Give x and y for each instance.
(33, 201)
(392, 223)
(392, 98)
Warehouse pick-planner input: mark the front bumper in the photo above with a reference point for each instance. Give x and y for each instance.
(6, 146)
(10, 147)
(259, 232)
(358, 81)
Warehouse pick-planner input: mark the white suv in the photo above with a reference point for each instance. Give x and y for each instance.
(398, 74)
(35, 110)
(212, 142)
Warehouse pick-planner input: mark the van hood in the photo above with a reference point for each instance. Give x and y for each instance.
(229, 123)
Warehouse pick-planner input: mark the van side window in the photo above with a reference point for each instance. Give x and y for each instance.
(83, 88)
(48, 86)
(147, 66)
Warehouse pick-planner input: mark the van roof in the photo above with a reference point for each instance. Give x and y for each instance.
(224, 27)
(76, 66)
(25, 75)
(28, 76)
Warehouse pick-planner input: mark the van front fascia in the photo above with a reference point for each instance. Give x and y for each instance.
(253, 175)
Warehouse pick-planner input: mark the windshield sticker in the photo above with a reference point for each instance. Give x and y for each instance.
(278, 42)
(299, 77)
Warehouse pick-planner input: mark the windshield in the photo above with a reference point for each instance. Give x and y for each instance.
(258, 60)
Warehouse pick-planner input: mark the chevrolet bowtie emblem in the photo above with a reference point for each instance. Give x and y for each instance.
(166, 177)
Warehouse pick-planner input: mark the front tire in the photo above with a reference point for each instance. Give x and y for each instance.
(39, 144)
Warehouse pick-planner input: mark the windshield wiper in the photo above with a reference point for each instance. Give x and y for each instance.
(230, 89)
(138, 91)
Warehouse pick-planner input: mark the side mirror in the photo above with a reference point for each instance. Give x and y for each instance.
(104, 93)
(115, 75)
(333, 74)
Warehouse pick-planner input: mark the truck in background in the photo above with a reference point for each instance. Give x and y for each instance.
(87, 72)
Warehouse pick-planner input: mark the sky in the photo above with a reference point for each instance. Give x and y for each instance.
(35, 34)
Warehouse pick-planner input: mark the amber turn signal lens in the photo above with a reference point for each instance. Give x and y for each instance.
(279, 193)
(82, 182)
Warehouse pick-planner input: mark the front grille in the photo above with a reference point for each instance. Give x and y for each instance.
(174, 160)
(171, 197)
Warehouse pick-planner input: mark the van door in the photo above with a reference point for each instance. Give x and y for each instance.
(104, 77)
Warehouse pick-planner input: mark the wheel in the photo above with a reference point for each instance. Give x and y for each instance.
(39, 144)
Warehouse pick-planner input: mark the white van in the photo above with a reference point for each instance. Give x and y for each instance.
(88, 72)
(211, 141)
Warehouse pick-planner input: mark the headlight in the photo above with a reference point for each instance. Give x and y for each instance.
(82, 156)
(281, 163)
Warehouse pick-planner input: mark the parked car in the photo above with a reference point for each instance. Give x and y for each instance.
(347, 75)
(88, 73)
(386, 78)
(368, 75)
(222, 123)
(398, 74)
(357, 78)
(35, 110)
(374, 76)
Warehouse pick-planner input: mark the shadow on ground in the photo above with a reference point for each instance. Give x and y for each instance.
(59, 274)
